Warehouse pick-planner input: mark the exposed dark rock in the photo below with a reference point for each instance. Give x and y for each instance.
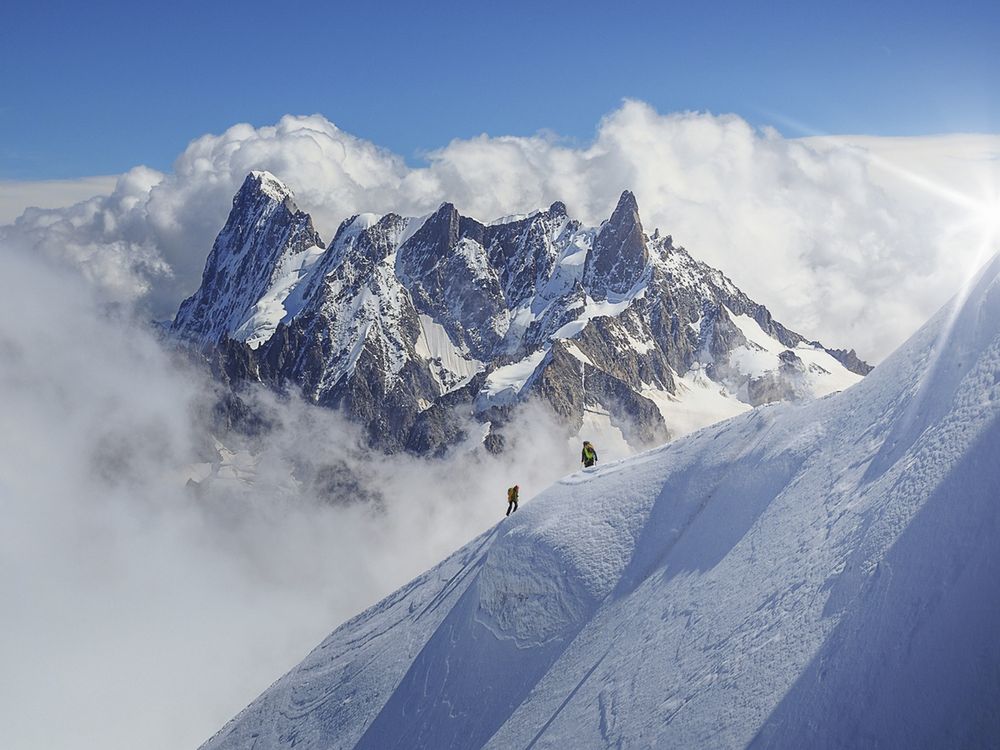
(392, 322)
(849, 359)
(619, 255)
(494, 443)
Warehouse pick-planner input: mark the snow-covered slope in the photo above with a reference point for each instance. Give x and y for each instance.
(819, 574)
(418, 327)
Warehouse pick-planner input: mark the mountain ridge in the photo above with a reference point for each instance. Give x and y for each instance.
(815, 572)
(399, 313)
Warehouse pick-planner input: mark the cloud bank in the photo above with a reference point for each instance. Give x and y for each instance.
(141, 611)
(831, 234)
(16, 196)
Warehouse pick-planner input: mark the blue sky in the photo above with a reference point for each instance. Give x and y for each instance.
(96, 88)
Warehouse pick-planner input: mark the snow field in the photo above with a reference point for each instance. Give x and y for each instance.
(818, 574)
(451, 366)
(824, 373)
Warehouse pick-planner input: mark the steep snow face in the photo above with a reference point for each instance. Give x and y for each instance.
(451, 366)
(811, 573)
(590, 309)
(282, 301)
(505, 383)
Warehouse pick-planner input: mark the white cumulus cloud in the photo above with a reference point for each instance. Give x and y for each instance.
(848, 240)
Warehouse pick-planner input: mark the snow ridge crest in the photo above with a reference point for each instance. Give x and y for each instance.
(820, 570)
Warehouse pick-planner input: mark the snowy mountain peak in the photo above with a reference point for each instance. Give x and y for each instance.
(266, 247)
(268, 184)
(417, 327)
(353, 226)
(619, 255)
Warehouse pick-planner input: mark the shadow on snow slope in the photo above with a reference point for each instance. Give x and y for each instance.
(815, 573)
(915, 660)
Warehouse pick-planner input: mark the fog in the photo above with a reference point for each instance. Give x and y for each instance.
(140, 611)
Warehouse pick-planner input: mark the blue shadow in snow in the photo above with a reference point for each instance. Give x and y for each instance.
(463, 686)
(915, 660)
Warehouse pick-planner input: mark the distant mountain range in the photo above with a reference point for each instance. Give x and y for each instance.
(426, 329)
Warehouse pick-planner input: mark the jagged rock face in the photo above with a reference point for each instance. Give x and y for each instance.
(572, 387)
(265, 236)
(850, 359)
(417, 328)
(525, 252)
(619, 255)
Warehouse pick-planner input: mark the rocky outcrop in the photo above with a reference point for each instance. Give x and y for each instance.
(849, 359)
(263, 238)
(619, 255)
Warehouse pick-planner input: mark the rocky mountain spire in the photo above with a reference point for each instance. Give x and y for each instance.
(263, 230)
(619, 255)
(430, 243)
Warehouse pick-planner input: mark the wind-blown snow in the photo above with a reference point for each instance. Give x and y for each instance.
(811, 574)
